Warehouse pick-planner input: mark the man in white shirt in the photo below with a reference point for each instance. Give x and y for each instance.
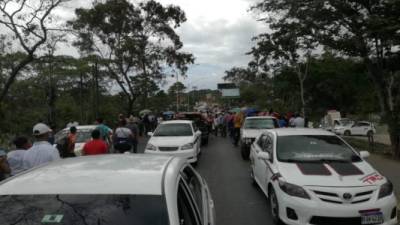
(15, 158)
(298, 121)
(42, 151)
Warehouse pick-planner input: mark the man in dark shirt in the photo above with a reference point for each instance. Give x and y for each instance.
(135, 131)
(96, 146)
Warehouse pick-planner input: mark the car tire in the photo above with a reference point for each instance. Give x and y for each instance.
(347, 133)
(274, 207)
(245, 152)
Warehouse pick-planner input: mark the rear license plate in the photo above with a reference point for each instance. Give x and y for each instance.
(372, 218)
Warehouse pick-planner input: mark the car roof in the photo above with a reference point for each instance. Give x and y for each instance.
(300, 131)
(260, 117)
(177, 121)
(106, 174)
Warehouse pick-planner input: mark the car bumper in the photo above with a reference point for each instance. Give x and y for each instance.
(190, 154)
(306, 210)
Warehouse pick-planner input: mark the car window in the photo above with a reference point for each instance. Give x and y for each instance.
(261, 123)
(83, 209)
(174, 129)
(186, 208)
(313, 148)
(195, 186)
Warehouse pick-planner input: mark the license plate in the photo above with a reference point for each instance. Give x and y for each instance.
(372, 218)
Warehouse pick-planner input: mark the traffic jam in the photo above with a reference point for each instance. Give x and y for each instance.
(309, 176)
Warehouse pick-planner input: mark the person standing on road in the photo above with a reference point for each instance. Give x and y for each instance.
(95, 146)
(123, 138)
(237, 123)
(298, 121)
(71, 142)
(105, 131)
(4, 167)
(135, 132)
(15, 158)
(42, 151)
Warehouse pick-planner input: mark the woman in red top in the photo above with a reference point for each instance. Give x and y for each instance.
(96, 146)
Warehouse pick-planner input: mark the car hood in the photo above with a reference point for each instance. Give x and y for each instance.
(330, 175)
(170, 141)
(252, 133)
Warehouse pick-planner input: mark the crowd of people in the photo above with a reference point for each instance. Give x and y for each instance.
(26, 155)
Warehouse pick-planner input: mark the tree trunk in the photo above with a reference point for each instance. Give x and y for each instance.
(389, 111)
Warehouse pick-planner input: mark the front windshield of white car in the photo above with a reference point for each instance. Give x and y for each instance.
(314, 148)
(260, 123)
(83, 210)
(173, 129)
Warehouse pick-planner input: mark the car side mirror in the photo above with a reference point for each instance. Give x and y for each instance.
(364, 154)
(150, 134)
(264, 155)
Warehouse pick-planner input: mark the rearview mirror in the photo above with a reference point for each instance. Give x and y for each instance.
(364, 154)
(264, 155)
(149, 133)
(198, 132)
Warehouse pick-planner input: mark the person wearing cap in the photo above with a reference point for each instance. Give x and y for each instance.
(15, 157)
(42, 151)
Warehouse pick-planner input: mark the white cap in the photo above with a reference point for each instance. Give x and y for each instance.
(40, 129)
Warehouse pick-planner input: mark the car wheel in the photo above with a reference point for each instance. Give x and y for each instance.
(245, 152)
(347, 133)
(274, 206)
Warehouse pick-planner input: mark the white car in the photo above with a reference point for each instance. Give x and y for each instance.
(176, 137)
(362, 128)
(110, 189)
(252, 128)
(312, 176)
(83, 135)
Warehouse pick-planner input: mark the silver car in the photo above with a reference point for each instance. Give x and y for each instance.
(107, 190)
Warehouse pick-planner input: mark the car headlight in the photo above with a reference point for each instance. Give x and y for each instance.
(151, 147)
(386, 190)
(293, 190)
(187, 146)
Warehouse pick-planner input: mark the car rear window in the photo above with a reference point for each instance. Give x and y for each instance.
(83, 210)
(261, 123)
(177, 129)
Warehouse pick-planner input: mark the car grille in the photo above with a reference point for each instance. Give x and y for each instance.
(168, 149)
(320, 220)
(337, 198)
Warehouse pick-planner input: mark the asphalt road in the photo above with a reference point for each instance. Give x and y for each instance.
(237, 201)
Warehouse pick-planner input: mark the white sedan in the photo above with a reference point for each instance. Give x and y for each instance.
(314, 177)
(176, 137)
(107, 190)
(362, 128)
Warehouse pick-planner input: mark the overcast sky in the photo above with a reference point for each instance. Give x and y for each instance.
(217, 32)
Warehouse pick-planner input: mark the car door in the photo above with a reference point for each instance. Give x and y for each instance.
(259, 165)
(266, 172)
(200, 194)
(356, 129)
(197, 137)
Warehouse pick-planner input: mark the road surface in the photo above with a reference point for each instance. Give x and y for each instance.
(237, 201)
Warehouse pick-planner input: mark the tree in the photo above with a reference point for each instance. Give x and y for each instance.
(133, 40)
(176, 91)
(364, 29)
(28, 22)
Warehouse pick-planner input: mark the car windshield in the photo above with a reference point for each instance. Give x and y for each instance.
(174, 129)
(82, 135)
(83, 210)
(261, 123)
(310, 148)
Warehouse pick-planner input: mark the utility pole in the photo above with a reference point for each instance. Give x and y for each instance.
(177, 94)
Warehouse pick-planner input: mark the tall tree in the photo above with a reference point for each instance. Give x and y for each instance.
(28, 23)
(133, 40)
(368, 30)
